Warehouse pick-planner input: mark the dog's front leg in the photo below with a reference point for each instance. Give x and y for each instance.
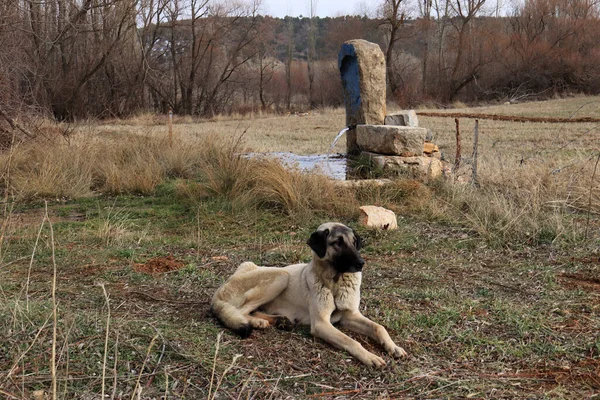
(356, 322)
(321, 308)
(325, 330)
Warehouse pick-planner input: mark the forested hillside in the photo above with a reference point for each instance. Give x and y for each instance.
(113, 58)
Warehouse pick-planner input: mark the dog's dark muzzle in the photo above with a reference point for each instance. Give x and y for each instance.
(349, 261)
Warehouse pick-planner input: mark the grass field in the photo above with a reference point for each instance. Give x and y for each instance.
(493, 291)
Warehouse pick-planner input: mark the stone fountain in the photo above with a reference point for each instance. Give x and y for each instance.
(393, 142)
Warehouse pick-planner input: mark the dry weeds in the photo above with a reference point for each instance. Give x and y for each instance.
(507, 321)
(533, 176)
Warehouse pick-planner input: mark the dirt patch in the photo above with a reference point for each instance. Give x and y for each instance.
(159, 265)
(580, 280)
(587, 260)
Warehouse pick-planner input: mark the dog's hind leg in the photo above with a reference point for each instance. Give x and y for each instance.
(248, 289)
(246, 267)
(278, 321)
(266, 285)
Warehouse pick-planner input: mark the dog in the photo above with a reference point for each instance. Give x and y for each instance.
(323, 292)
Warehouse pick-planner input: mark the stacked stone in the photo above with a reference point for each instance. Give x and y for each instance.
(394, 142)
(400, 146)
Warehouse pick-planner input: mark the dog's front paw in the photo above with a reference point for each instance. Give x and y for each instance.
(372, 360)
(396, 351)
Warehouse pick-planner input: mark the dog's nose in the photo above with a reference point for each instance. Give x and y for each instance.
(360, 262)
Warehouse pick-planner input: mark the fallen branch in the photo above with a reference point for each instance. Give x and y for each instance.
(15, 125)
(332, 394)
(148, 296)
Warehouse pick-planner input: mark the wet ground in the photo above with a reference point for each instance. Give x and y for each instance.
(334, 166)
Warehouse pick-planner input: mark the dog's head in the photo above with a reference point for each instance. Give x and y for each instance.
(338, 246)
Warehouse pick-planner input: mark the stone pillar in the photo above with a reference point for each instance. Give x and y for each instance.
(362, 68)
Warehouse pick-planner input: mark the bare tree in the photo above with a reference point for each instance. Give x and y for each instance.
(311, 51)
(461, 72)
(425, 9)
(288, 63)
(266, 62)
(393, 18)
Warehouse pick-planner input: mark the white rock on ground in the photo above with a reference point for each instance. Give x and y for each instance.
(378, 217)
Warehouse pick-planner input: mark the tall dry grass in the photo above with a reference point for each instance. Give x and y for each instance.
(48, 170)
(299, 194)
(85, 165)
(536, 203)
(536, 185)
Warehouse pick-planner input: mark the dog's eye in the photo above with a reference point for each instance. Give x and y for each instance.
(340, 241)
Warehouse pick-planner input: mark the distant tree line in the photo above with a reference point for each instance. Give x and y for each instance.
(114, 58)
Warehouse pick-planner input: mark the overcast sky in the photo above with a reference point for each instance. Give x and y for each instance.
(325, 8)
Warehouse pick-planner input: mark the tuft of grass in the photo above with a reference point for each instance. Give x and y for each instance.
(132, 166)
(364, 168)
(114, 228)
(299, 194)
(223, 171)
(55, 170)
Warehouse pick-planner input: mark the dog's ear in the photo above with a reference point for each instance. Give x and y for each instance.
(318, 242)
(358, 242)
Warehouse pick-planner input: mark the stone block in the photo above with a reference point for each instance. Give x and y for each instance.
(362, 69)
(362, 183)
(403, 118)
(378, 217)
(390, 139)
(429, 135)
(420, 167)
(430, 148)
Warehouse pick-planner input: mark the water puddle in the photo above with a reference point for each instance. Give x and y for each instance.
(333, 166)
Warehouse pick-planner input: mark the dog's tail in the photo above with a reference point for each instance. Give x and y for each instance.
(231, 317)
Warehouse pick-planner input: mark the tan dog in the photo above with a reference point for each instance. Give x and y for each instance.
(320, 293)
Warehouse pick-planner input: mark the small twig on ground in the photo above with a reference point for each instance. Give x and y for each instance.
(166, 396)
(114, 391)
(37, 240)
(212, 376)
(167, 300)
(276, 384)
(220, 381)
(246, 382)
(54, 306)
(9, 395)
(14, 261)
(137, 383)
(12, 369)
(162, 353)
(333, 394)
(107, 300)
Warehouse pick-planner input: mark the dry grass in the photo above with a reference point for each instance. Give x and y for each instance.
(297, 193)
(516, 319)
(309, 134)
(56, 170)
(534, 177)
